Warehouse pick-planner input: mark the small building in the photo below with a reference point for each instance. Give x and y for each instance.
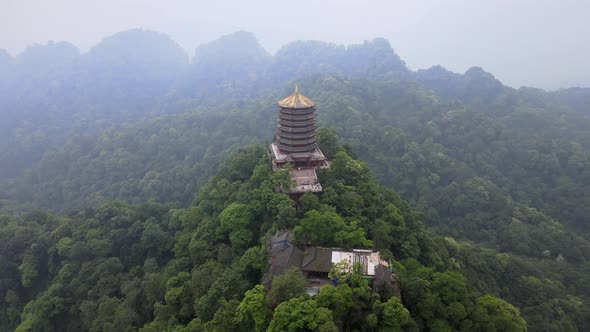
(295, 143)
(367, 259)
(283, 253)
(316, 262)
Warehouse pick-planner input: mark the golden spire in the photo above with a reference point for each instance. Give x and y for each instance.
(296, 100)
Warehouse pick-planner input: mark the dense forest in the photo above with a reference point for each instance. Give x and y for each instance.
(154, 267)
(129, 201)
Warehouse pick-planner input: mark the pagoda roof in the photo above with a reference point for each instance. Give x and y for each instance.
(296, 101)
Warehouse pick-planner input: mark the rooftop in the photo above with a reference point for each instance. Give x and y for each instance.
(305, 180)
(317, 259)
(283, 253)
(296, 101)
(368, 259)
(282, 236)
(281, 156)
(316, 262)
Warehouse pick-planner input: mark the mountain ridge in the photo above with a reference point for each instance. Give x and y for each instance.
(501, 172)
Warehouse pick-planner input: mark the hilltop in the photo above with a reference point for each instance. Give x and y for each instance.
(500, 173)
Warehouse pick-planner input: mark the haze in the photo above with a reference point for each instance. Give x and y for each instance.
(534, 43)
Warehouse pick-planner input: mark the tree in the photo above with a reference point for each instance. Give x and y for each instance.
(341, 272)
(179, 296)
(327, 228)
(282, 178)
(319, 228)
(281, 206)
(223, 320)
(353, 172)
(155, 239)
(289, 285)
(235, 220)
(253, 311)
(28, 270)
(393, 315)
(337, 299)
(328, 141)
(492, 313)
(381, 232)
(300, 314)
(309, 201)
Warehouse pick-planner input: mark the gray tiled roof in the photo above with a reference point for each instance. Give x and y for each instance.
(317, 259)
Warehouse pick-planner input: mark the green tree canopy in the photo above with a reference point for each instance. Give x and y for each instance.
(300, 314)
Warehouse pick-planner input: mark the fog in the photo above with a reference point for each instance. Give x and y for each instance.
(533, 43)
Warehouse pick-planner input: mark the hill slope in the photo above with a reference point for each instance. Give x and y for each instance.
(500, 168)
(126, 267)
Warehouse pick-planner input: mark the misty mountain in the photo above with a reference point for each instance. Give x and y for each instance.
(375, 59)
(507, 170)
(234, 63)
(53, 93)
(137, 74)
(576, 98)
(134, 67)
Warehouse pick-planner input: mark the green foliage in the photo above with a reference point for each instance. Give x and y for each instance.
(28, 271)
(328, 141)
(393, 316)
(352, 172)
(327, 228)
(300, 314)
(309, 201)
(153, 267)
(179, 296)
(492, 313)
(289, 285)
(445, 303)
(341, 272)
(253, 311)
(338, 299)
(485, 165)
(223, 318)
(235, 220)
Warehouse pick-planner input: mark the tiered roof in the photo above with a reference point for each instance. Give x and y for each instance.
(296, 101)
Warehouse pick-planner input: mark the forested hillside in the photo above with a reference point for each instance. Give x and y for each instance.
(156, 268)
(502, 173)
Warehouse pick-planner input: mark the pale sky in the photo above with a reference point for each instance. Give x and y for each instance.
(535, 43)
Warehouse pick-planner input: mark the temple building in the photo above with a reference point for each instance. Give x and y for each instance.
(316, 262)
(295, 143)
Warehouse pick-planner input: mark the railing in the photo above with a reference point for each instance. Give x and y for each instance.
(302, 142)
(296, 129)
(295, 124)
(288, 148)
(296, 117)
(297, 112)
(295, 136)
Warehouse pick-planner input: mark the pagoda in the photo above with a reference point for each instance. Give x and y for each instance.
(295, 143)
